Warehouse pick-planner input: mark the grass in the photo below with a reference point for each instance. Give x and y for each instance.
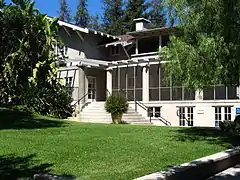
(31, 143)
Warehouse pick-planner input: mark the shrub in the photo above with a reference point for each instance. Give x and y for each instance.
(227, 126)
(52, 99)
(237, 123)
(116, 105)
(231, 126)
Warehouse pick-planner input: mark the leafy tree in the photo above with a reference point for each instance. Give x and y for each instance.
(94, 22)
(64, 12)
(2, 3)
(82, 17)
(113, 17)
(156, 13)
(134, 9)
(208, 51)
(27, 60)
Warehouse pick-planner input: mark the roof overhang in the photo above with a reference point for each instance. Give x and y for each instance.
(156, 31)
(122, 43)
(86, 30)
(125, 40)
(86, 62)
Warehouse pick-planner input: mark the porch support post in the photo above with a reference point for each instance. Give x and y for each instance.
(199, 95)
(145, 83)
(160, 42)
(136, 50)
(81, 88)
(109, 82)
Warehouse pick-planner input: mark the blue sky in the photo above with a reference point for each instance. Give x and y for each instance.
(51, 7)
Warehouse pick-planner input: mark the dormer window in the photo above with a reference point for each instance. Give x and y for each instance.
(115, 50)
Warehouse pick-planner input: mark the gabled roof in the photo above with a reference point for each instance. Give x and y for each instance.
(85, 30)
(125, 40)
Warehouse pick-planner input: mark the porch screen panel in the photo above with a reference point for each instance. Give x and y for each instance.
(154, 82)
(220, 92)
(165, 89)
(138, 83)
(232, 92)
(123, 75)
(177, 93)
(208, 93)
(115, 79)
(189, 94)
(130, 83)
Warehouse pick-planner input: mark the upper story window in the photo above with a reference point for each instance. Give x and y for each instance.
(115, 50)
(148, 44)
(165, 40)
(61, 50)
(69, 81)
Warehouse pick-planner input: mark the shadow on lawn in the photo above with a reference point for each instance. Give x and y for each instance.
(211, 135)
(12, 119)
(12, 167)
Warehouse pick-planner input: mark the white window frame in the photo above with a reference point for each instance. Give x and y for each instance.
(115, 50)
(222, 113)
(186, 115)
(69, 81)
(154, 111)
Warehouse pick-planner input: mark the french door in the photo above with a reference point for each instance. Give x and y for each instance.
(91, 88)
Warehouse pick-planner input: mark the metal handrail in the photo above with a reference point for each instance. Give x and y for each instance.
(146, 108)
(80, 99)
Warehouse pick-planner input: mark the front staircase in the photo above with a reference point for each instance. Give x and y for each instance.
(95, 113)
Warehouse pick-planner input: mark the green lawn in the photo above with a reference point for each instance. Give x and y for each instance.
(31, 143)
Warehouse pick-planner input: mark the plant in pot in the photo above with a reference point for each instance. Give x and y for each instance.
(116, 105)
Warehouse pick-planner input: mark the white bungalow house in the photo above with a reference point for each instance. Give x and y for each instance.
(98, 64)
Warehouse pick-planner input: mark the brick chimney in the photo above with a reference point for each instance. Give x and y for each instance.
(142, 24)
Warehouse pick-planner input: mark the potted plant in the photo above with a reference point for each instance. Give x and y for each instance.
(116, 105)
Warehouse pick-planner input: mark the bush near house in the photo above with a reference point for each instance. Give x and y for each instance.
(231, 126)
(116, 105)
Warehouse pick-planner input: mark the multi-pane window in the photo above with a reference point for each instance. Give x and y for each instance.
(69, 81)
(154, 112)
(220, 92)
(185, 115)
(222, 113)
(115, 50)
(160, 90)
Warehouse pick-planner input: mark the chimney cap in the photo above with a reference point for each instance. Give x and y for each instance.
(141, 20)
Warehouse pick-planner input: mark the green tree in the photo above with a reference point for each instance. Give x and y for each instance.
(156, 13)
(82, 17)
(94, 22)
(134, 9)
(113, 17)
(27, 60)
(64, 12)
(207, 52)
(2, 3)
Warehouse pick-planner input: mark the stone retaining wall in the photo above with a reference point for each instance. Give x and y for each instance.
(199, 169)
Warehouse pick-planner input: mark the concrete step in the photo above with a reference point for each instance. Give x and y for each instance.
(95, 112)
